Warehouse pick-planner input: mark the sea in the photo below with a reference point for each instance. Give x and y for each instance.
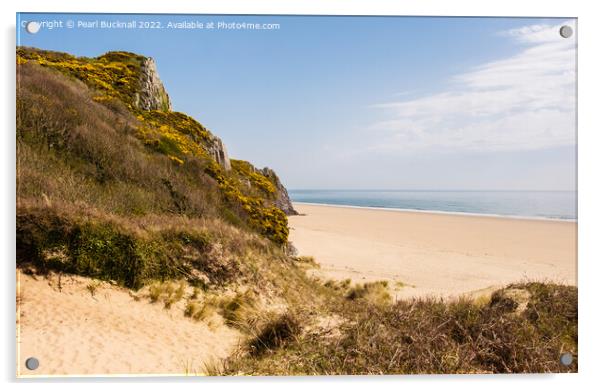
(557, 205)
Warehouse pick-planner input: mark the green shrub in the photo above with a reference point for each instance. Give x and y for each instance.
(98, 249)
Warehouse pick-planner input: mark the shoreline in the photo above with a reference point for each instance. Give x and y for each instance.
(433, 254)
(440, 212)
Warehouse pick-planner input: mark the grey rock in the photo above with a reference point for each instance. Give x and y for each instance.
(152, 95)
(283, 202)
(291, 250)
(217, 149)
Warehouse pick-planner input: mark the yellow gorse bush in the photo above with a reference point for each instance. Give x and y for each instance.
(115, 74)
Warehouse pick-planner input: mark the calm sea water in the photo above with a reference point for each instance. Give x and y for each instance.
(540, 204)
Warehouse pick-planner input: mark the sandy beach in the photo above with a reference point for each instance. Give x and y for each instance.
(72, 332)
(431, 253)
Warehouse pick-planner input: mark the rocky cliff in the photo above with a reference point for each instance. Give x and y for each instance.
(152, 94)
(283, 202)
(218, 151)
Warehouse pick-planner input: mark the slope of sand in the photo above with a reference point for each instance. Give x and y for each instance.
(72, 332)
(432, 253)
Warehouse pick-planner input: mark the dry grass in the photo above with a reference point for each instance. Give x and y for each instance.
(376, 292)
(338, 285)
(275, 333)
(73, 149)
(93, 288)
(434, 336)
(241, 310)
(200, 311)
(307, 261)
(167, 292)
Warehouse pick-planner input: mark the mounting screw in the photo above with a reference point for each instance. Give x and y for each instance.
(32, 27)
(566, 359)
(566, 31)
(32, 363)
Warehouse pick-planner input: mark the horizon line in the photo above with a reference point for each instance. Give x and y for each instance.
(435, 190)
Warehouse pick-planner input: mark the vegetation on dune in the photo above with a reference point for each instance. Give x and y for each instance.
(135, 197)
(131, 252)
(433, 336)
(276, 333)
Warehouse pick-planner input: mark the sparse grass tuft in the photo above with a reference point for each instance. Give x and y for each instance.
(168, 292)
(93, 287)
(307, 260)
(199, 311)
(338, 285)
(239, 311)
(376, 292)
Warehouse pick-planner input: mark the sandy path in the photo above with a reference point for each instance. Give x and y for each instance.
(437, 254)
(71, 332)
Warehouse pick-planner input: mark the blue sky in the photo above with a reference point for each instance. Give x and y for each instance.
(367, 102)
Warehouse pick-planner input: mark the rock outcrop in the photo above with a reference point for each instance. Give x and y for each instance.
(152, 94)
(283, 202)
(217, 149)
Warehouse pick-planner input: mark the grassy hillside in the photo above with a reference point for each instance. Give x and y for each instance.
(520, 329)
(140, 161)
(135, 197)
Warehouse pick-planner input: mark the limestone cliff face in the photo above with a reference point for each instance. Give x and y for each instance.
(283, 202)
(152, 94)
(218, 150)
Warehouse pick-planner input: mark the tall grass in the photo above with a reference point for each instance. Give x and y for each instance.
(435, 336)
(73, 149)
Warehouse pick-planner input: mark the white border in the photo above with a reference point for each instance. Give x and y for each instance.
(590, 195)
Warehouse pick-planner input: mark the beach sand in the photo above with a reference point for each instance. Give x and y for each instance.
(72, 332)
(434, 254)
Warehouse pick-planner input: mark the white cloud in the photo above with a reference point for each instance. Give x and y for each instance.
(526, 101)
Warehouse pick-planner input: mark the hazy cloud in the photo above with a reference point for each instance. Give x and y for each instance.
(526, 101)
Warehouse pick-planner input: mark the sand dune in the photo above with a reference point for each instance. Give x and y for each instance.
(72, 332)
(431, 253)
